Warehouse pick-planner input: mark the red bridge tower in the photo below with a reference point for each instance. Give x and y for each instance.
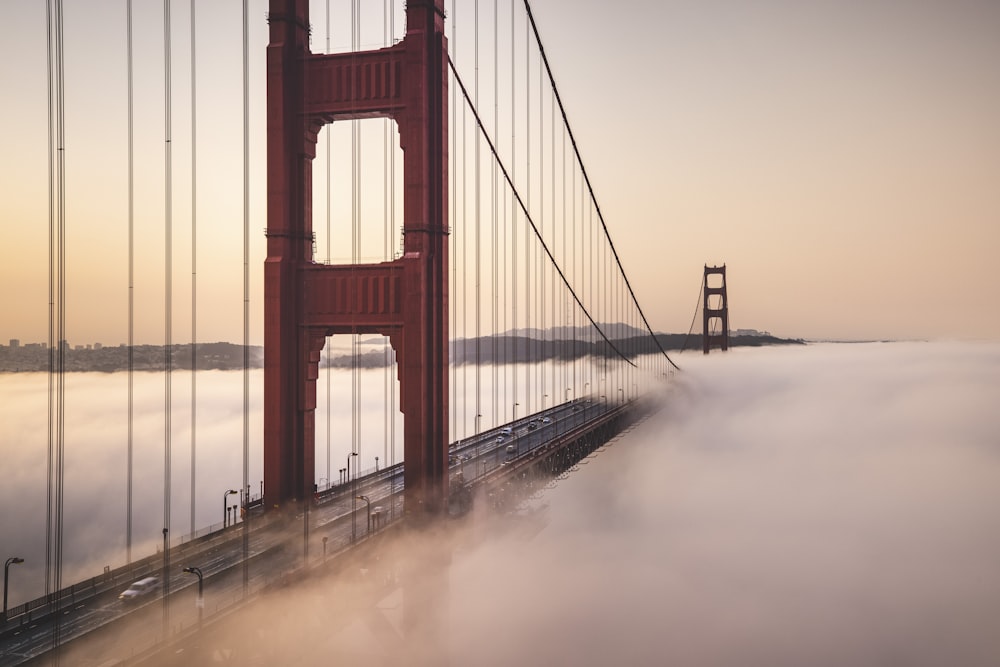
(405, 299)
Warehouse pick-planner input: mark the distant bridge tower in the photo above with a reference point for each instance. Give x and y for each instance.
(405, 299)
(715, 310)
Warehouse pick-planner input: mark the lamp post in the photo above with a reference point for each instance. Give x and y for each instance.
(478, 442)
(368, 502)
(354, 504)
(376, 464)
(200, 602)
(14, 560)
(225, 507)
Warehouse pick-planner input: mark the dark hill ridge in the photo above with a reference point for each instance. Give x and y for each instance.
(229, 356)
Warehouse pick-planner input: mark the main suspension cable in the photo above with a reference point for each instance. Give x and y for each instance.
(527, 214)
(590, 189)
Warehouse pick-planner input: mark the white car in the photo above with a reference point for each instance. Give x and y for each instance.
(140, 589)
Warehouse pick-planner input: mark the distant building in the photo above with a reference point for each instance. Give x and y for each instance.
(14, 343)
(749, 332)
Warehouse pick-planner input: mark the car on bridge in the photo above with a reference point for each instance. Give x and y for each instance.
(140, 589)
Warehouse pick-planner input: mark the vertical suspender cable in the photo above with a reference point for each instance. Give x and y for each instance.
(246, 297)
(392, 222)
(563, 306)
(167, 309)
(452, 278)
(355, 224)
(464, 274)
(329, 187)
(555, 300)
(513, 219)
(61, 293)
(541, 258)
(57, 309)
(386, 243)
(194, 268)
(529, 347)
(495, 206)
(50, 478)
(571, 264)
(479, 294)
(61, 302)
(131, 286)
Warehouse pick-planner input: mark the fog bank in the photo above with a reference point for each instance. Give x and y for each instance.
(831, 505)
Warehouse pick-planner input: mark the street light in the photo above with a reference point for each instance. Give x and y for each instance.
(369, 504)
(354, 504)
(200, 602)
(14, 560)
(478, 420)
(225, 507)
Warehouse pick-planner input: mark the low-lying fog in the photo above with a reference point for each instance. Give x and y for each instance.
(825, 505)
(830, 505)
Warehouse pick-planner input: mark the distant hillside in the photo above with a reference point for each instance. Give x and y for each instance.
(524, 349)
(210, 356)
(501, 349)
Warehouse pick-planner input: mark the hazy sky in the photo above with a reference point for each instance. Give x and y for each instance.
(839, 157)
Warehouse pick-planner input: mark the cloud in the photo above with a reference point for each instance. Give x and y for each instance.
(829, 505)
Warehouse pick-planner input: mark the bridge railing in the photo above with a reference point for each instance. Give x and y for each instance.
(111, 577)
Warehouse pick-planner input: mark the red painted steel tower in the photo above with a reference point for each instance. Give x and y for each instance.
(715, 310)
(405, 299)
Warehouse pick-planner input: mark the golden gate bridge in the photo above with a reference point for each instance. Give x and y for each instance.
(426, 200)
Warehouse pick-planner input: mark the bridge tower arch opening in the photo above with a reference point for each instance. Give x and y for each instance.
(357, 189)
(406, 298)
